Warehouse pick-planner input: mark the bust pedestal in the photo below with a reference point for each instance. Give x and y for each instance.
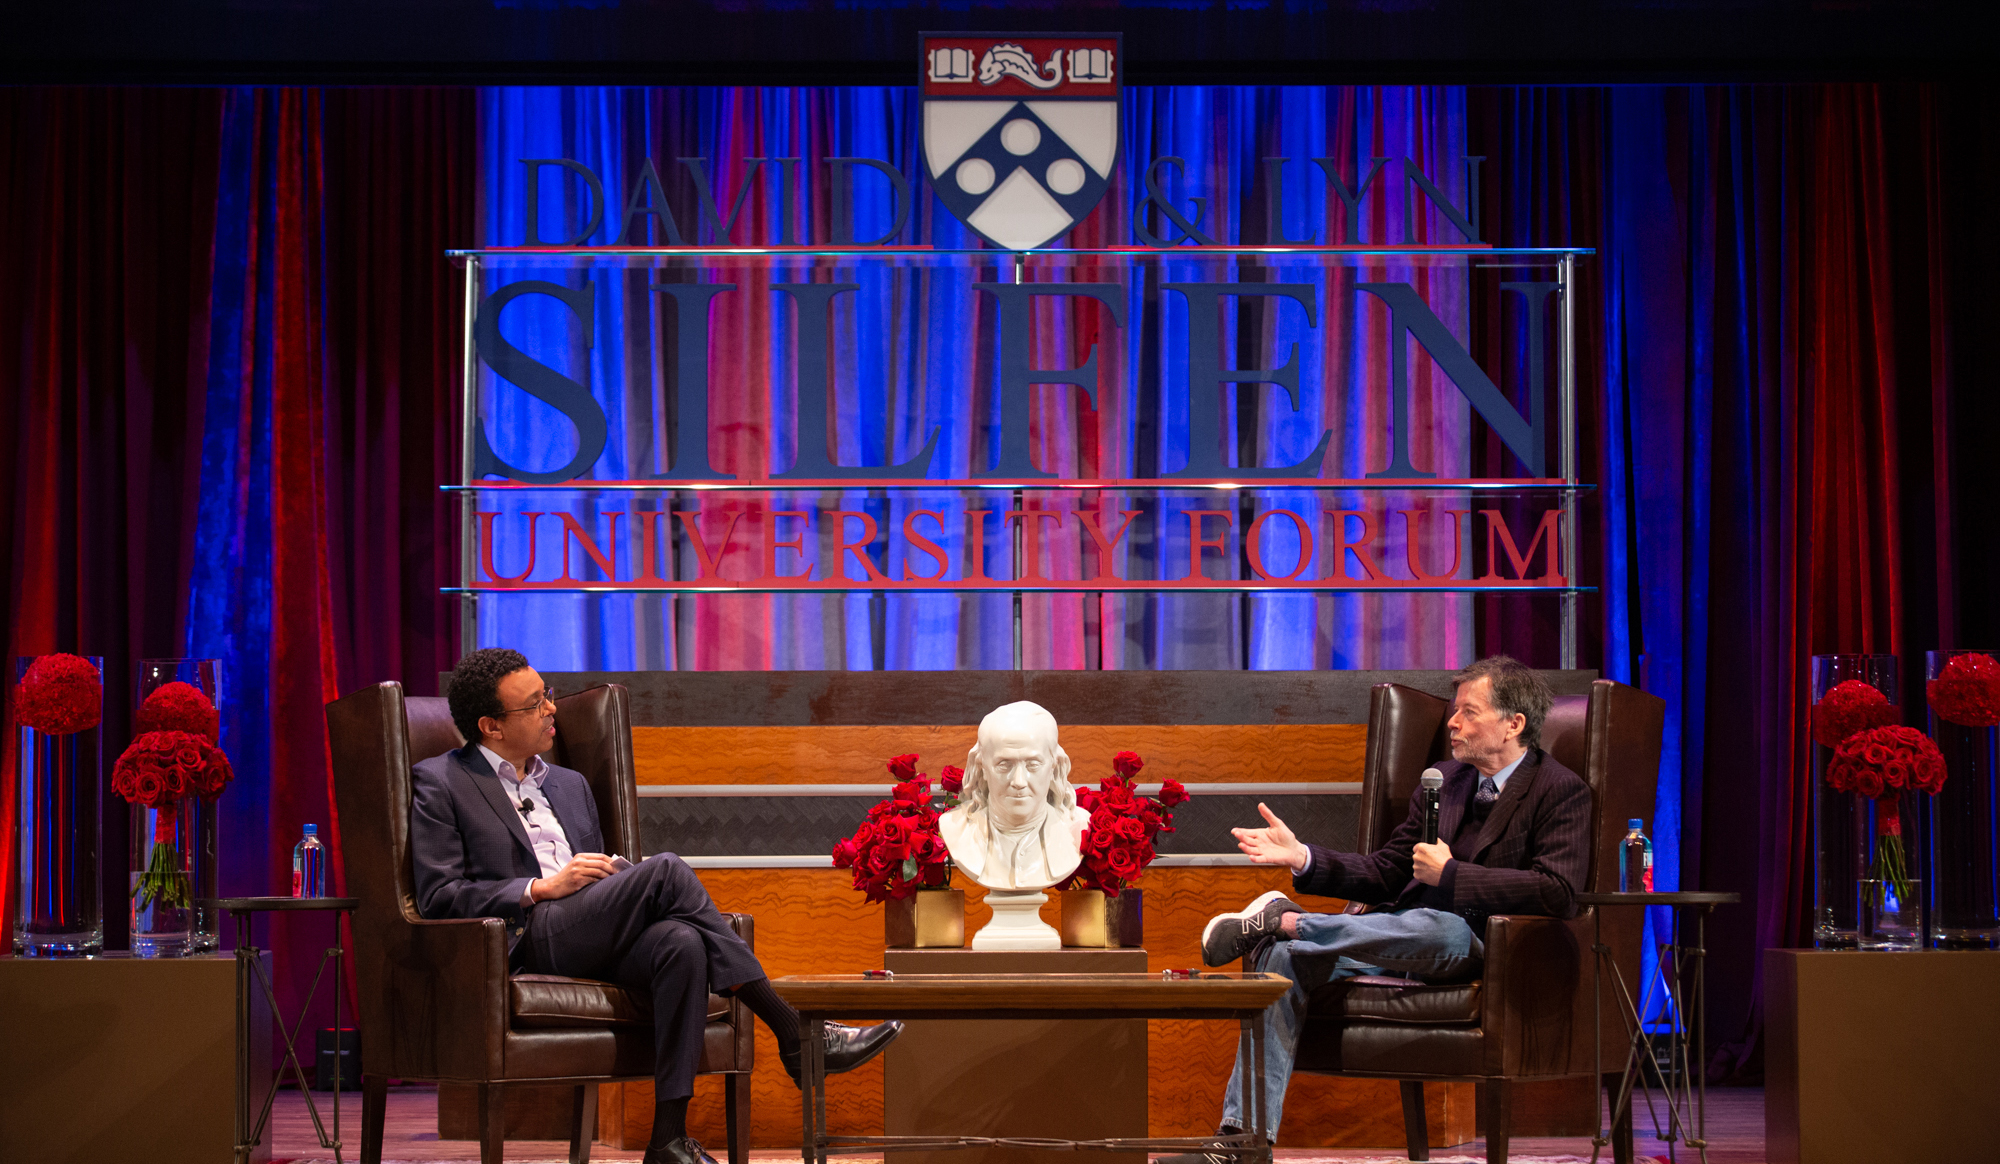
(1017, 923)
(1061, 1079)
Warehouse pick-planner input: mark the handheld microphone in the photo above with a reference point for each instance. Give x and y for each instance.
(1433, 785)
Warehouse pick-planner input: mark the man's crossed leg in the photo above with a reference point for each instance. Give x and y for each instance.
(1313, 949)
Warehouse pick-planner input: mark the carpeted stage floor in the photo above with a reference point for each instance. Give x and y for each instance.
(1735, 1134)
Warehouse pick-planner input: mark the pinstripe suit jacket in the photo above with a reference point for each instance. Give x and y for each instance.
(468, 848)
(1531, 857)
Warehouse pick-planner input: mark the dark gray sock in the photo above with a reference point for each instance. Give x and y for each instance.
(777, 1014)
(670, 1121)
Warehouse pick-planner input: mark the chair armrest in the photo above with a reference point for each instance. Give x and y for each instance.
(1537, 989)
(739, 1012)
(447, 999)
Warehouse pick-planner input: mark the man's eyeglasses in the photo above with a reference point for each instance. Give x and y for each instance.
(548, 696)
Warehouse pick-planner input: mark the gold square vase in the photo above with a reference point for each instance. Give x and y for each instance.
(1092, 919)
(929, 919)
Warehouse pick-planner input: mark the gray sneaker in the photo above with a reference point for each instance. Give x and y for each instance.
(1228, 936)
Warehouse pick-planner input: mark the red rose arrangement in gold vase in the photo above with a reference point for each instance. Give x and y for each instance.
(1881, 763)
(1118, 841)
(60, 695)
(1967, 691)
(174, 757)
(898, 850)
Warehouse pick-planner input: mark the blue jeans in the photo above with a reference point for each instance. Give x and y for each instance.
(1420, 943)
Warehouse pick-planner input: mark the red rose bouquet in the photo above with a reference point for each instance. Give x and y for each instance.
(174, 757)
(179, 707)
(1967, 691)
(898, 849)
(1849, 707)
(59, 695)
(1118, 841)
(1880, 763)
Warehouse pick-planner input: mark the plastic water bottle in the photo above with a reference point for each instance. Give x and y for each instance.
(309, 865)
(1635, 859)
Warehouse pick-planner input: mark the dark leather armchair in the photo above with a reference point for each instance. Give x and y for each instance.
(436, 999)
(1530, 1016)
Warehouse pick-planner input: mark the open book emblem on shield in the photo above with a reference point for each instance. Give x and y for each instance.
(1020, 133)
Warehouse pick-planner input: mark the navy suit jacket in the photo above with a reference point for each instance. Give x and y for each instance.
(468, 847)
(1531, 857)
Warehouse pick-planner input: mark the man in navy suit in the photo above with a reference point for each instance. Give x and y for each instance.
(497, 831)
(1513, 837)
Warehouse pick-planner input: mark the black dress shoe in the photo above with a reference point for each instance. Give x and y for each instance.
(682, 1151)
(847, 1047)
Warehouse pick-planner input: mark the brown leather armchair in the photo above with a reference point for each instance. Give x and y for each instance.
(436, 999)
(1530, 1016)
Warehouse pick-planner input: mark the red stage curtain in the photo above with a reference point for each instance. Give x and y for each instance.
(106, 219)
(342, 335)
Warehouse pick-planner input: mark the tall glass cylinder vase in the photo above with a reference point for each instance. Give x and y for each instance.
(1840, 820)
(1889, 896)
(58, 894)
(205, 675)
(162, 880)
(1963, 691)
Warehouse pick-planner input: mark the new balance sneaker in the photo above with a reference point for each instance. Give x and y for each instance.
(1219, 1151)
(1228, 936)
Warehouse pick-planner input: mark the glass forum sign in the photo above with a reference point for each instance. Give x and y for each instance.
(681, 396)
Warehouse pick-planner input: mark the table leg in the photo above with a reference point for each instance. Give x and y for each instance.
(1597, 952)
(819, 1090)
(337, 950)
(1263, 1117)
(1700, 1004)
(812, 1083)
(243, 1141)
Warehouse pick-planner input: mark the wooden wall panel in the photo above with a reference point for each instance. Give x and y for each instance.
(1216, 753)
(812, 921)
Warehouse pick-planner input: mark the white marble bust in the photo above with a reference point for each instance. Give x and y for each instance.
(1018, 827)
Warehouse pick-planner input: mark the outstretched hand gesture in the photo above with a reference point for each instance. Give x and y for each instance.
(1273, 844)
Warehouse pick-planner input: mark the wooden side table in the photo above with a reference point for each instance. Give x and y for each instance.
(124, 1059)
(1878, 1055)
(252, 965)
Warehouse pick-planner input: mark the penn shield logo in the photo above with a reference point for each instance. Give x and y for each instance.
(1021, 132)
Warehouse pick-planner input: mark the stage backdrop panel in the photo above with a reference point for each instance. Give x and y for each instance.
(752, 775)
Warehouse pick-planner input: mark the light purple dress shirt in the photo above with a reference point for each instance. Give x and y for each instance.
(545, 832)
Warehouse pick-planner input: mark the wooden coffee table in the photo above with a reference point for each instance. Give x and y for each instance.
(820, 997)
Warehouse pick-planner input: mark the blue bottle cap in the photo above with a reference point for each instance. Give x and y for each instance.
(1634, 823)
(313, 830)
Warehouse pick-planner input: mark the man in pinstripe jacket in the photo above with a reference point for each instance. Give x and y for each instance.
(1513, 837)
(497, 831)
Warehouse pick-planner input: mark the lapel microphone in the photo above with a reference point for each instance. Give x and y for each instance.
(527, 806)
(1433, 784)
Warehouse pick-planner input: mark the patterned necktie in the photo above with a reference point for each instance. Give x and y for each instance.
(1487, 794)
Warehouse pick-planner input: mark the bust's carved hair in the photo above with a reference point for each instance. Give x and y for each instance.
(978, 799)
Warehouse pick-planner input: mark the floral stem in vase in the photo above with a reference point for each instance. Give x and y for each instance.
(164, 881)
(1891, 864)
